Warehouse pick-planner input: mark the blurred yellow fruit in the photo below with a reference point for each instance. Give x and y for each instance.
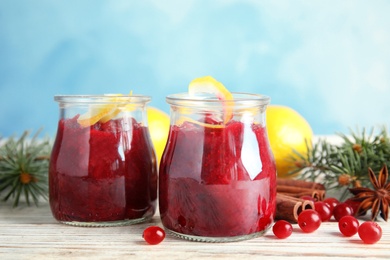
(158, 123)
(287, 131)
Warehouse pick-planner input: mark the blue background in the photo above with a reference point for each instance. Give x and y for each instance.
(328, 60)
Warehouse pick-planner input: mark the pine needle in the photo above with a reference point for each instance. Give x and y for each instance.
(326, 162)
(24, 169)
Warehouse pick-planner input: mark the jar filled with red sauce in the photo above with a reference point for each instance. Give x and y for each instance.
(217, 178)
(103, 166)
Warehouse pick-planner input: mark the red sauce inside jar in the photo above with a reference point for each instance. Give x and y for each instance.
(105, 172)
(217, 182)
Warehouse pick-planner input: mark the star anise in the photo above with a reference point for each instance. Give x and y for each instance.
(377, 199)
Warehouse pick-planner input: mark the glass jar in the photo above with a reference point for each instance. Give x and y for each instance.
(217, 179)
(103, 166)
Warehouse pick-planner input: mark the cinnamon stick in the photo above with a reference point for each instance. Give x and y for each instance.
(288, 199)
(299, 188)
(299, 192)
(288, 208)
(300, 183)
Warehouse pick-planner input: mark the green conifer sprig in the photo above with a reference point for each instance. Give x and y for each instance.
(344, 165)
(24, 168)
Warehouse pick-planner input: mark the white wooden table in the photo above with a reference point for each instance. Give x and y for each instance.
(32, 233)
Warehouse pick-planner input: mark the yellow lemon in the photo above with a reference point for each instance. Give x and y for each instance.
(158, 123)
(287, 131)
(210, 85)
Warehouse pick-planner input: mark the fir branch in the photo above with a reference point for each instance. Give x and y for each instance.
(344, 165)
(24, 166)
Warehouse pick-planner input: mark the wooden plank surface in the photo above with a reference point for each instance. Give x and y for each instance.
(32, 233)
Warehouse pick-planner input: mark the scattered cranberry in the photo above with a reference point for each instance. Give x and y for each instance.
(341, 210)
(370, 232)
(354, 205)
(154, 235)
(324, 210)
(348, 225)
(332, 202)
(309, 220)
(282, 229)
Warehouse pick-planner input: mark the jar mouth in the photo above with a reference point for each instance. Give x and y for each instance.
(239, 98)
(102, 99)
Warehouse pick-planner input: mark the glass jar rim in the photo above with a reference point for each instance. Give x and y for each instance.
(239, 98)
(102, 99)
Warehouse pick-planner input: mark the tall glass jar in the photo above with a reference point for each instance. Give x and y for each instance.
(217, 180)
(103, 166)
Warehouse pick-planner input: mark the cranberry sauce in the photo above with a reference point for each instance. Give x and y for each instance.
(217, 182)
(105, 172)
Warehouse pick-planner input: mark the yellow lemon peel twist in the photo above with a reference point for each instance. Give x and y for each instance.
(103, 113)
(210, 85)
